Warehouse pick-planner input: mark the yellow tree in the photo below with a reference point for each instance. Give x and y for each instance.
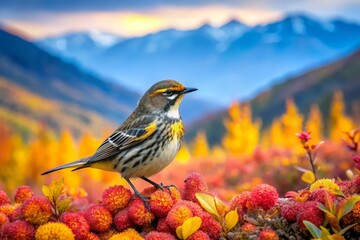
(339, 122)
(200, 145)
(276, 137)
(43, 155)
(242, 136)
(183, 156)
(291, 122)
(13, 159)
(314, 123)
(66, 154)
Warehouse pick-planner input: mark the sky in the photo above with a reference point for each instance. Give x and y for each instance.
(42, 18)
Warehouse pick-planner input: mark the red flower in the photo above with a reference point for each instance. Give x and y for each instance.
(23, 193)
(248, 227)
(240, 202)
(160, 203)
(99, 218)
(154, 235)
(199, 235)
(268, 234)
(36, 210)
(319, 196)
(163, 226)
(122, 220)
(4, 198)
(18, 230)
(194, 183)
(116, 198)
(310, 212)
(77, 223)
(290, 209)
(3, 220)
(264, 196)
(177, 215)
(139, 213)
(210, 226)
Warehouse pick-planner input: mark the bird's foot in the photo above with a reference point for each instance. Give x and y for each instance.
(157, 185)
(143, 198)
(163, 187)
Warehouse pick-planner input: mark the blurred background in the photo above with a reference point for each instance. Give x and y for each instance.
(71, 71)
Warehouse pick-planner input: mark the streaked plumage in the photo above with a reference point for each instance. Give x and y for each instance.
(147, 141)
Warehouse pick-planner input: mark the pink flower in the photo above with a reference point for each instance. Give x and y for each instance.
(304, 137)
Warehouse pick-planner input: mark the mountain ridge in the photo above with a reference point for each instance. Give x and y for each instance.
(239, 64)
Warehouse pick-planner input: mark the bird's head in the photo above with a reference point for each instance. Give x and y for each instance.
(165, 96)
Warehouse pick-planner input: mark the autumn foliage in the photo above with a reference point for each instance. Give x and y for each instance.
(256, 184)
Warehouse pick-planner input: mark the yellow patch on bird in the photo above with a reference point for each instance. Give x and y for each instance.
(177, 129)
(178, 88)
(149, 130)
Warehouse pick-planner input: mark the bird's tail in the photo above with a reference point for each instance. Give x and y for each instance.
(78, 164)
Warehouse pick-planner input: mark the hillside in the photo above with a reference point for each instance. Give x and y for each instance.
(38, 86)
(316, 86)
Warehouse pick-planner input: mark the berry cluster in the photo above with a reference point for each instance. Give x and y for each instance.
(259, 213)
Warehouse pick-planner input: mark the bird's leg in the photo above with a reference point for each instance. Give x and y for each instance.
(161, 186)
(138, 194)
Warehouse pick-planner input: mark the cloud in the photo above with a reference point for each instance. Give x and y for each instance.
(39, 18)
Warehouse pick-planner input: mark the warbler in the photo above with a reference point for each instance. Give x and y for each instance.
(146, 142)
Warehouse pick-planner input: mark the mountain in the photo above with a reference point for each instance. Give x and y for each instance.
(38, 86)
(316, 86)
(231, 61)
(80, 46)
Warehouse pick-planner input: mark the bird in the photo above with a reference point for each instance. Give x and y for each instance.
(146, 142)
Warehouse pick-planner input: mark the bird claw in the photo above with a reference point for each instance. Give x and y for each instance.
(163, 187)
(143, 198)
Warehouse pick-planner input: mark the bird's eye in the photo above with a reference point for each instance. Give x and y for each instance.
(167, 93)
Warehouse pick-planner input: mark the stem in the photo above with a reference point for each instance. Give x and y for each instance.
(311, 162)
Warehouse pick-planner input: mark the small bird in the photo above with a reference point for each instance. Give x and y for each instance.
(146, 142)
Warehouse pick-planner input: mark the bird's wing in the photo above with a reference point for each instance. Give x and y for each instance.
(120, 140)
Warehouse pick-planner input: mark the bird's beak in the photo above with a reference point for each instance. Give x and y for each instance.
(187, 90)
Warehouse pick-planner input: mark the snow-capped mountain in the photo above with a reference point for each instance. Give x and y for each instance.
(237, 59)
(80, 46)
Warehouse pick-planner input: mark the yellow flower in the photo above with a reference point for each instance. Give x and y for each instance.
(128, 234)
(327, 184)
(54, 231)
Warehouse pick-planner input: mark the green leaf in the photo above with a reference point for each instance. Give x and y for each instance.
(343, 231)
(313, 229)
(347, 206)
(63, 204)
(323, 208)
(208, 203)
(231, 219)
(325, 234)
(190, 226)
